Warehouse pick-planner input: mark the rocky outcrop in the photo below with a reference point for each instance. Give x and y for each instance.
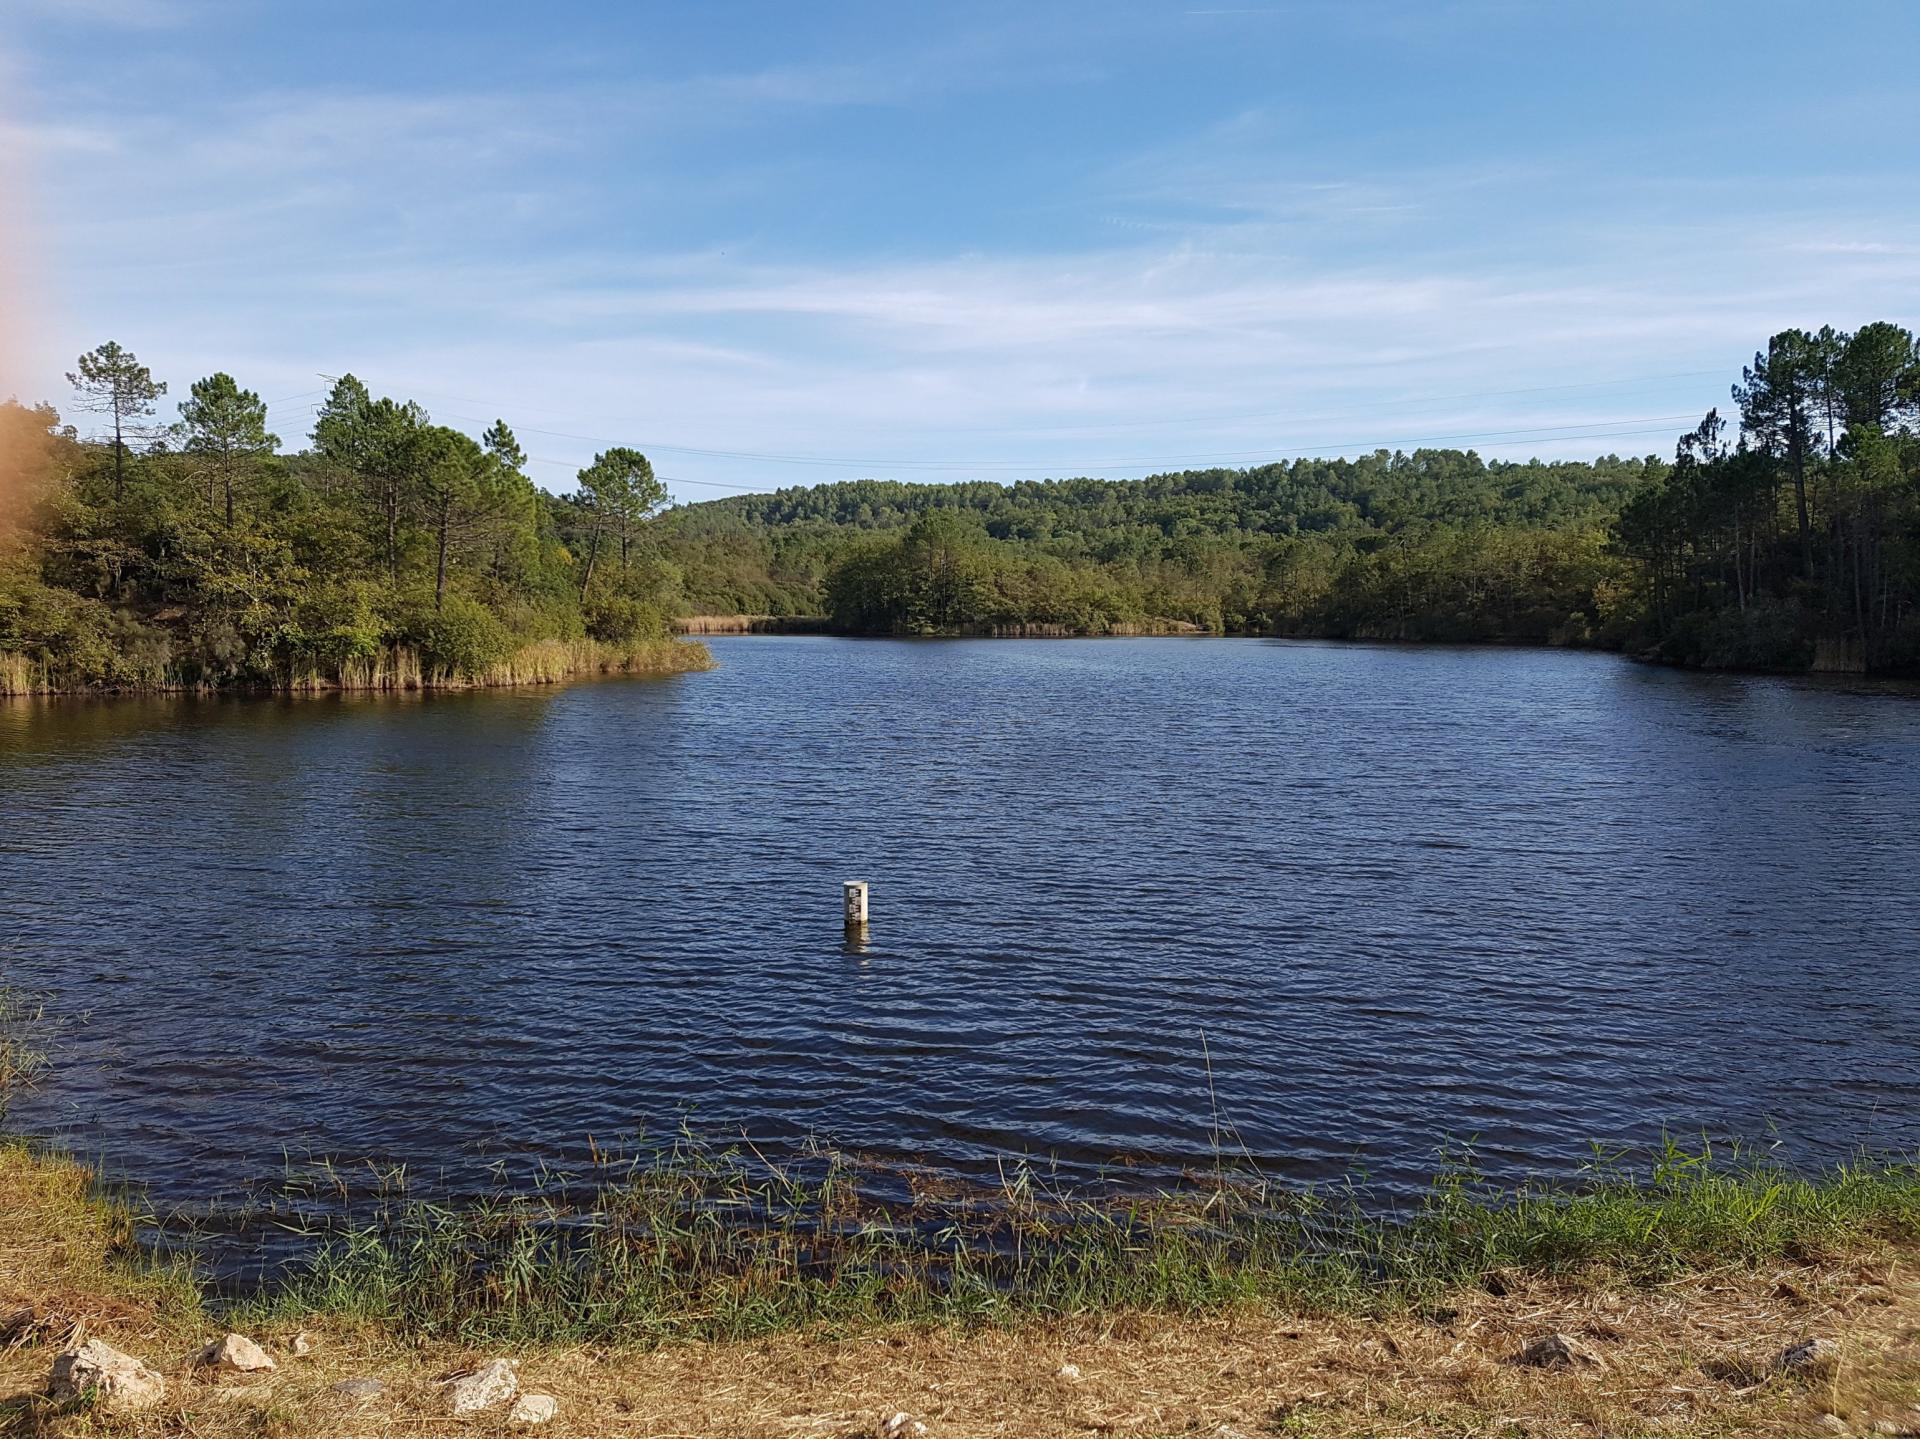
(236, 1354)
(493, 1383)
(532, 1409)
(1559, 1351)
(114, 1380)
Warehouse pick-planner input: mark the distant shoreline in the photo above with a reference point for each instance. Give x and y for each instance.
(1837, 661)
(703, 625)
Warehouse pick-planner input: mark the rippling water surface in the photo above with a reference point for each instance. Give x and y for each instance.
(1403, 894)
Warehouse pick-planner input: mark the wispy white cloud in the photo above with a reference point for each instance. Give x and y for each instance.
(120, 14)
(1020, 360)
(1118, 360)
(1855, 247)
(491, 252)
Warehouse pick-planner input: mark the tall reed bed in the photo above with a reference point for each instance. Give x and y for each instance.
(551, 661)
(402, 668)
(699, 1242)
(17, 675)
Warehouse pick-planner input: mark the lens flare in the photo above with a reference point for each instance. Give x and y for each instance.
(16, 293)
(22, 435)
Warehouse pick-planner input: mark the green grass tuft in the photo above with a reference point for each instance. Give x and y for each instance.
(25, 1039)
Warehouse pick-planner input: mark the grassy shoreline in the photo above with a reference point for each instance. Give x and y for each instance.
(703, 1290)
(693, 1240)
(677, 1315)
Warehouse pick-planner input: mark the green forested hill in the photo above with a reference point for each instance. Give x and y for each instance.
(1434, 544)
(1382, 490)
(1785, 537)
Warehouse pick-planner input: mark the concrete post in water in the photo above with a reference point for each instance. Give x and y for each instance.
(853, 898)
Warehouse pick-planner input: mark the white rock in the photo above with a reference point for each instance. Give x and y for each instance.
(302, 1346)
(119, 1381)
(1068, 1374)
(534, 1409)
(902, 1426)
(237, 1353)
(492, 1383)
(1833, 1424)
(1809, 1356)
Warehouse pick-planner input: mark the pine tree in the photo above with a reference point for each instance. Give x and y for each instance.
(111, 381)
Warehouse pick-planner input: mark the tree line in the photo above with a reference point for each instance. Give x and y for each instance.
(1793, 537)
(1786, 538)
(1783, 535)
(201, 554)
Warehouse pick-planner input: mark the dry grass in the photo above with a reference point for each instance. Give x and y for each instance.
(399, 668)
(545, 662)
(1684, 1357)
(63, 1249)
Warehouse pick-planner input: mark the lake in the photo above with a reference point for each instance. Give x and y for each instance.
(1361, 901)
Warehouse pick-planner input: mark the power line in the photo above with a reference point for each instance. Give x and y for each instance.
(883, 462)
(1217, 418)
(1185, 460)
(1486, 439)
(670, 479)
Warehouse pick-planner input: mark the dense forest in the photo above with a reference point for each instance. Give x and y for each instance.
(1786, 539)
(1793, 540)
(1432, 545)
(390, 552)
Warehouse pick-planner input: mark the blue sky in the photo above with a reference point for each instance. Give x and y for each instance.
(784, 243)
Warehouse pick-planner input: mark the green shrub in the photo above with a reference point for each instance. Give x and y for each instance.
(462, 637)
(621, 619)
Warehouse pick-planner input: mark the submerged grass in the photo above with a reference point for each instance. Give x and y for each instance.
(706, 1243)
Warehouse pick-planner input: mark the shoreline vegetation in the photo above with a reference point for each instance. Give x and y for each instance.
(706, 1290)
(404, 669)
(390, 553)
(1711, 1289)
(705, 1242)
